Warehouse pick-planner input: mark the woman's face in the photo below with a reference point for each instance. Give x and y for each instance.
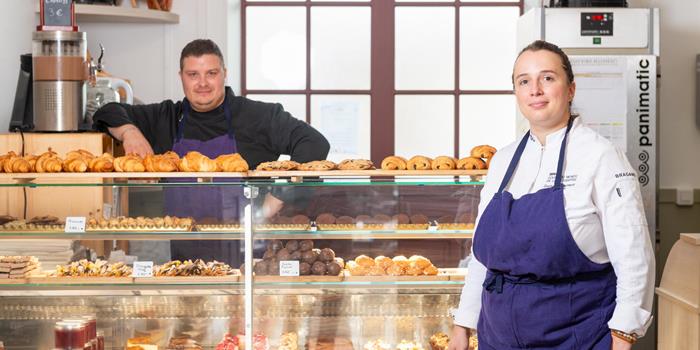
(542, 89)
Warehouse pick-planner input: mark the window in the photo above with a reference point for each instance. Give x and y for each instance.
(382, 77)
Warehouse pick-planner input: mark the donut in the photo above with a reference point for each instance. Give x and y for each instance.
(325, 219)
(401, 219)
(419, 219)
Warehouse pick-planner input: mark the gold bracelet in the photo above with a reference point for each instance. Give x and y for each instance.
(630, 338)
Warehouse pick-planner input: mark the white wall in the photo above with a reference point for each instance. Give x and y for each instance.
(16, 23)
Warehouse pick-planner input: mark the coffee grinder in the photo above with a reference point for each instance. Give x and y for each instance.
(59, 71)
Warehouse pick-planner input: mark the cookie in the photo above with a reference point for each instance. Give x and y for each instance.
(318, 165)
(277, 165)
(356, 164)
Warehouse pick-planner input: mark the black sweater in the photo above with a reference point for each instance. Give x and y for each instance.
(263, 131)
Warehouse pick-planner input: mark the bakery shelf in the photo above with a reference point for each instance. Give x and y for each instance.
(150, 236)
(304, 178)
(126, 236)
(121, 14)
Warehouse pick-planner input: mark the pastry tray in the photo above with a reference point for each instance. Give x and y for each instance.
(52, 228)
(187, 279)
(138, 229)
(282, 227)
(219, 228)
(297, 279)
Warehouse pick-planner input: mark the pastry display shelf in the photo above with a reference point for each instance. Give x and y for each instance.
(335, 176)
(180, 235)
(121, 14)
(87, 286)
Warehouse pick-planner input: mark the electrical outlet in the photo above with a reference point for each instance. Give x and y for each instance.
(685, 197)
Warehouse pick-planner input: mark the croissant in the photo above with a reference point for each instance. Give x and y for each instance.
(231, 162)
(483, 151)
(196, 162)
(102, 164)
(394, 163)
(48, 162)
(419, 163)
(160, 163)
(4, 158)
(129, 163)
(443, 163)
(75, 165)
(32, 162)
(16, 164)
(471, 163)
(80, 153)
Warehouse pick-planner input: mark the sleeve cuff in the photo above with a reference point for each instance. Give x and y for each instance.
(630, 319)
(465, 318)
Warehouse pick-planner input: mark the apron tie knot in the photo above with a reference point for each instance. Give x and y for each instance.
(494, 282)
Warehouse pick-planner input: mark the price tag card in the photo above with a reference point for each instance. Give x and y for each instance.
(143, 269)
(289, 268)
(75, 224)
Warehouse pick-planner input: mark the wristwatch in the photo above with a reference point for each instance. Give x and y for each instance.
(628, 337)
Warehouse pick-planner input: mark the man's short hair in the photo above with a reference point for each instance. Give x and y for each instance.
(200, 47)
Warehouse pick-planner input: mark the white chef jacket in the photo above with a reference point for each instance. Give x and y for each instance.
(604, 210)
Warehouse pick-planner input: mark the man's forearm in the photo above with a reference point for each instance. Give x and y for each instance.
(119, 131)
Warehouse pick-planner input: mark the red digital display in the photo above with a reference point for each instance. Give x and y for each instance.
(597, 17)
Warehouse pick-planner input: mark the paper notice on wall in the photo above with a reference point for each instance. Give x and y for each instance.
(601, 95)
(340, 125)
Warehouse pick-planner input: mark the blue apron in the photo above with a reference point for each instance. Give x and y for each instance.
(541, 291)
(217, 204)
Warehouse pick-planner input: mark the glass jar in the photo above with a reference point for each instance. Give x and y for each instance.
(70, 335)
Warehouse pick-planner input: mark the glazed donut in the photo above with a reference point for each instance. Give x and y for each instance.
(394, 163)
(471, 163)
(443, 163)
(483, 151)
(419, 163)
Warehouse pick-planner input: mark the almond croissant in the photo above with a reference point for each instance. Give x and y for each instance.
(231, 163)
(161, 162)
(49, 162)
(102, 164)
(196, 162)
(129, 163)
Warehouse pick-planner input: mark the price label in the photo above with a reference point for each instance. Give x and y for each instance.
(432, 228)
(289, 268)
(75, 224)
(143, 269)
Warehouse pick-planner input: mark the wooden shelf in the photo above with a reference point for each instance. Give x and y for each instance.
(120, 14)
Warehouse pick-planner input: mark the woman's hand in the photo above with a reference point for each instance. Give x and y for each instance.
(619, 344)
(459, 339)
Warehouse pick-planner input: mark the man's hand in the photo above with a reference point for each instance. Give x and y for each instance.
(133, 139)
(459, 339)
(619, 344)
(271, 206)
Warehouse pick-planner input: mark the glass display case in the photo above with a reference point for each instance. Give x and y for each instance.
(347, 260)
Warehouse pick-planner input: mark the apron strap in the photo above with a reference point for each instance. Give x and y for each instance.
(562, 150)
(186, 112)
(514, 162)
(521, 148)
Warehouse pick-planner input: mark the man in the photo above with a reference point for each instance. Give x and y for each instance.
(213, 121)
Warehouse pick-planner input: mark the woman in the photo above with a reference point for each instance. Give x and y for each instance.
(563, 258)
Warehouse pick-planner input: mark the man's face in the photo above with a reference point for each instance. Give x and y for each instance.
(203, 81)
